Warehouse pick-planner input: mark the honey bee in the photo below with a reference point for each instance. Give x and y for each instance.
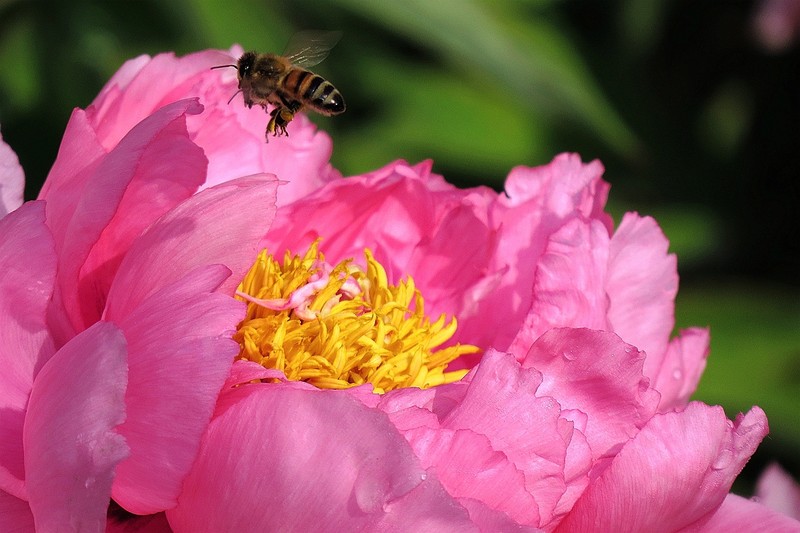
(283, 81)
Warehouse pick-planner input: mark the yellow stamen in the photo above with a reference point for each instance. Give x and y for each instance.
(340, 326)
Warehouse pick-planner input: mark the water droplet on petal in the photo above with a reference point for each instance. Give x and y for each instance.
(677, 374)
(724, 460)
(569, 356)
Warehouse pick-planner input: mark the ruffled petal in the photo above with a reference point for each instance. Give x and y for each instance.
(12, 180)
(221, 225)
(323, 458)
(493, 438)
(28, 266)
(568, 290)
(595, 373)
(71, 445)
(674, 473)
(180, 354)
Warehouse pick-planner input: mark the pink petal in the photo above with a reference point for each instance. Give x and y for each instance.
(569, 288)
(160, 170)
(28, 266)
(181, 351)
(71, 447)
(595, 373)
(681, 368)
(642, 284)
(12, 180)
(675, 472)
(78, 156)
(741, 514)
(141, 87)
(493, 438)
(231, 135)
(777, 490)
(218, 225)
(283, 458)
(15, 515)
(100, 225)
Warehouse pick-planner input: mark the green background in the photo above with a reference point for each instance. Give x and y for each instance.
(695, 121)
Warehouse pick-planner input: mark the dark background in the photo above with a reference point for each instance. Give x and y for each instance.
(695, 115)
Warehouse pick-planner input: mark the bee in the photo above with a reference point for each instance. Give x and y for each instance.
(283, 81)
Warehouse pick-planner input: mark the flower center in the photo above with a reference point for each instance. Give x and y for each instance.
(340, 326)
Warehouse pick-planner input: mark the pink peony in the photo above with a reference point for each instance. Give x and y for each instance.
(566, 405)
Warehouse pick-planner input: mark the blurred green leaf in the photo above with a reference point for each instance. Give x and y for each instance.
(425, 113)
(755, 349)
(534, 59)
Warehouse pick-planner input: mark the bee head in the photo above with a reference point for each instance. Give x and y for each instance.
(245, 64)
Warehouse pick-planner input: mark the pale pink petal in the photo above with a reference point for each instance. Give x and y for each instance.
(681, 368)
(71, 446)
(594, 372)
(15, 515)
(28, 266)
(323, 458)
(101, 224)
(12, 180)
(181, 351)
(219, 225)
(740, 514)
(674, 473)
(777, 490)
(642, 284)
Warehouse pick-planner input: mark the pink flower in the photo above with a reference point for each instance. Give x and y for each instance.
(154, 211)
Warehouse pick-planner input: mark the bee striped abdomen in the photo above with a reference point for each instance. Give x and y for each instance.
(315, 91)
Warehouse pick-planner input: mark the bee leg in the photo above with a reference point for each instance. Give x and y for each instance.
(280, 117)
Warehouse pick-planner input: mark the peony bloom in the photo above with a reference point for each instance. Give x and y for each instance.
(263, 345)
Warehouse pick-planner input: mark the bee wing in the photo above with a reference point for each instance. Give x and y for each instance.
(309, 48)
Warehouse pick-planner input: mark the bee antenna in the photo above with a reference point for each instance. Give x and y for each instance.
(234, 96)
(224, 66)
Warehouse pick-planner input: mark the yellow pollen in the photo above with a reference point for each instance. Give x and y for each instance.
(340, 326)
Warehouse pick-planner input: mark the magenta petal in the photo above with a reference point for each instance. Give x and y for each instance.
(71, 446)
(28, 266)
(180, 354)
(597, 374)
(283, 458)
(220, 225)
(674, 473)
(12, 180)
(15, 515)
